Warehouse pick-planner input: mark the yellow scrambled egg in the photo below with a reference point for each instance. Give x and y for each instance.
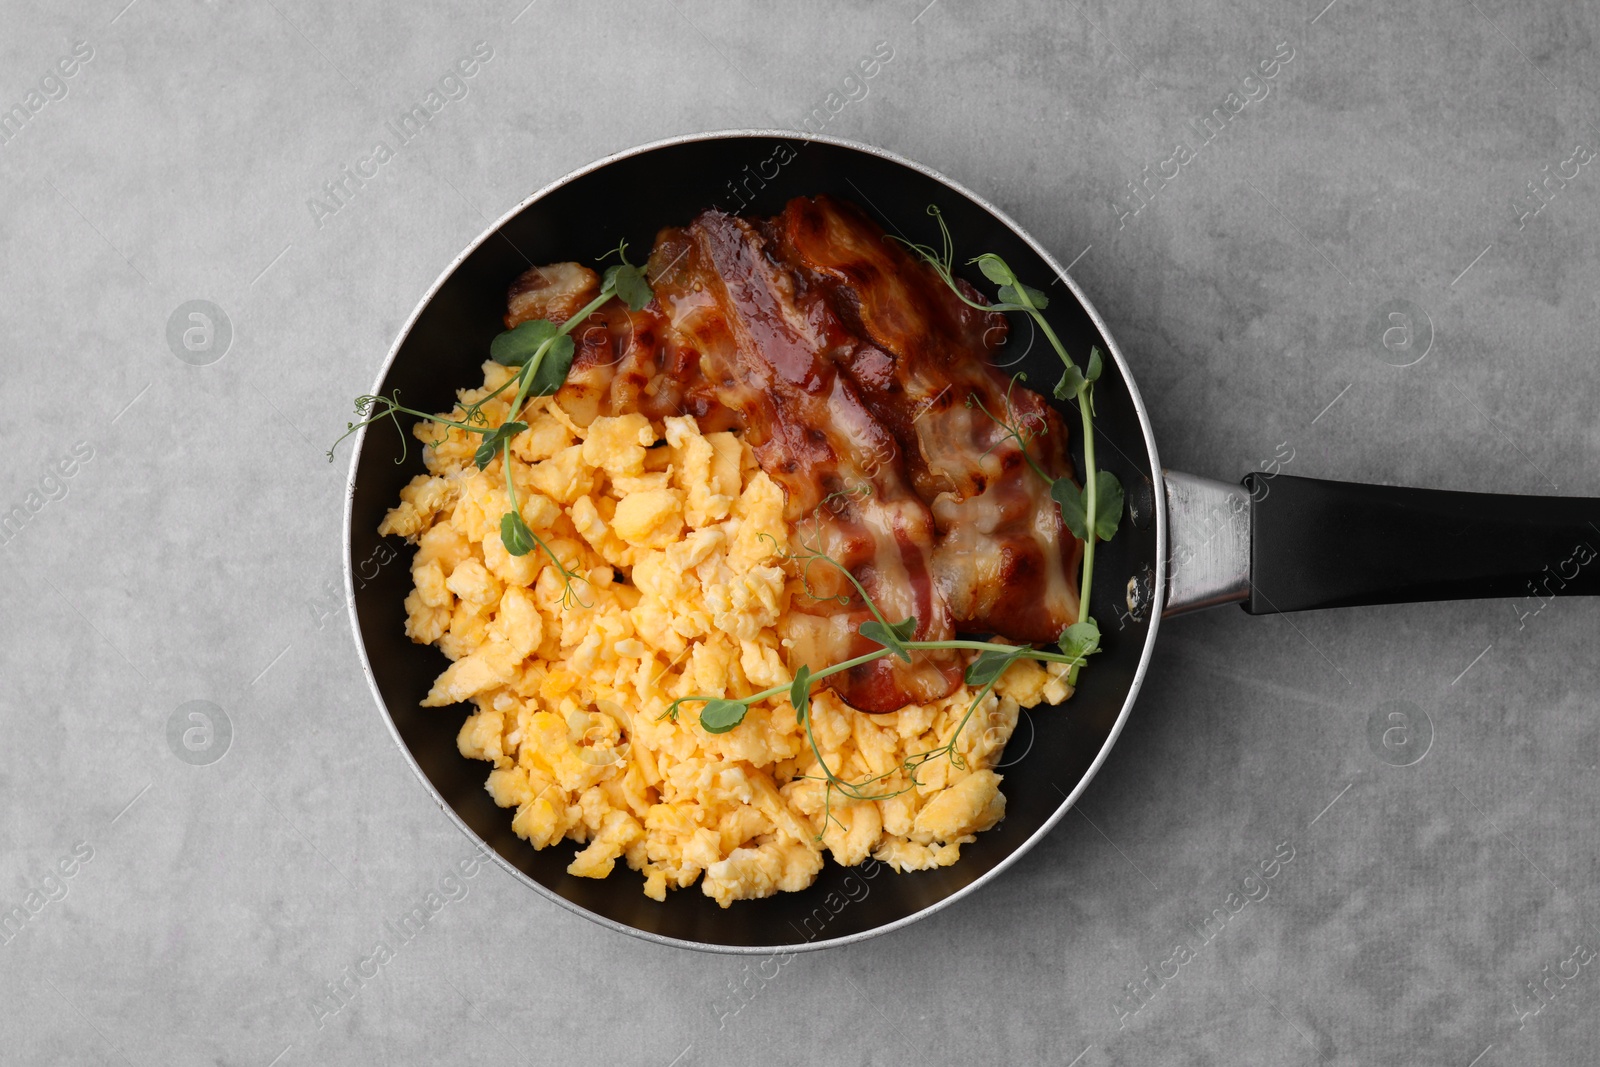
(674, 538)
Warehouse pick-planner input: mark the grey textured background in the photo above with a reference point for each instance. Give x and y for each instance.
(196, 555)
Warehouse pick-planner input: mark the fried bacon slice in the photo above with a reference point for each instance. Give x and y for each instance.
(924, 363)
(870, 394)
(555, 292)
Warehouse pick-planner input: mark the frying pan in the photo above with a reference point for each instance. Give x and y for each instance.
(1269, 544)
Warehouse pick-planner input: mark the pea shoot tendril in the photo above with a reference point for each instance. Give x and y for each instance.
(719, 715)
(542, 352)
(1094, 511)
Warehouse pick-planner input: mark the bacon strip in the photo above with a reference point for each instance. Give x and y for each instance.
(924, 363)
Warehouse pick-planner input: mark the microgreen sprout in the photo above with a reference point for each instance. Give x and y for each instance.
(542, 352)
(1093, 511)
(718, 715)
(371, 409)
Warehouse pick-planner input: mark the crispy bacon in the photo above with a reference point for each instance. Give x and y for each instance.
(556, 292)
(924, 362)
(868, 392)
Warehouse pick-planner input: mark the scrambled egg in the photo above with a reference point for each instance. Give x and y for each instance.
(673, 536)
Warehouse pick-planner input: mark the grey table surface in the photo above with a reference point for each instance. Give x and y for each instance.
(193, 553)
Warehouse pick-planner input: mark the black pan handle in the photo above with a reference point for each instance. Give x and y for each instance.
(1322, 544)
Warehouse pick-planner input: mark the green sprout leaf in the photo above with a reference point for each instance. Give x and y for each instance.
(515, 535)
(1024, 296)
(1075, 506)
(893, 638)
(628, 282)
(995, 269)
(551, 373)
(1081, 639)
(519, 344)
(1107, 505)
(1071, 383)
(1073, 513)
(800, 693)
(493, 440)
(720, 716)
(1096, 365)
(990, 665)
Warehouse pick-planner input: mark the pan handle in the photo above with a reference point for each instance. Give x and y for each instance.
(1208, 544)
(1323, 544)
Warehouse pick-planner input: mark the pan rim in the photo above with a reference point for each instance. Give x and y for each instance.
(1156, 607)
